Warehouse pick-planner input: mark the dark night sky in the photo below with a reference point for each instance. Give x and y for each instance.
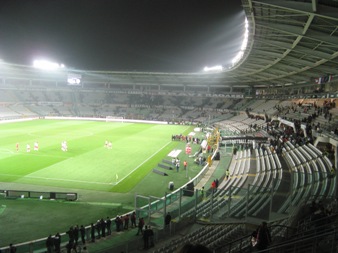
(126, 35)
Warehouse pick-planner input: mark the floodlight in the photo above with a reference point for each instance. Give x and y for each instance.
(214, 68)
(240, 54)
(47, 65)
(74, 79)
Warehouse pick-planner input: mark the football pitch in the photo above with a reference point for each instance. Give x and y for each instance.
(106, 179)
(88, 163)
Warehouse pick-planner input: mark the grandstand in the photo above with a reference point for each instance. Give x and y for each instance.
(279, 134)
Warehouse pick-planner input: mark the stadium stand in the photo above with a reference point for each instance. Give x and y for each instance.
(285, 179)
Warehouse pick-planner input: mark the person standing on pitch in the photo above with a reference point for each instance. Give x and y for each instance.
(185, 164)
(177, 164)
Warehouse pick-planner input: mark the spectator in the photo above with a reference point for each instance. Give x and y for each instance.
(98, 229)
(92, 232)
(146, 238)
(57, 243)
(103, 227)
(83, 234)
(118, 223)
(126, 221)
(70, 233)
(202, 191)
(227, 174)
(213, 186)
(12, 248)
(49, 244)
(167, 220)
(76, 233)
(108, 222)
(263, 237)
(140, 226)
(151, 237)
(133, 219)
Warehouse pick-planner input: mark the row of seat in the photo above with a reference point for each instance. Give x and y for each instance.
(310, 174)
(209, 235)
(268, 174)
(239, 170)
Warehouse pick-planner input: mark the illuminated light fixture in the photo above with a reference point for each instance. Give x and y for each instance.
(214, 68)
(47, 65)
(73, 79)
(240, 54)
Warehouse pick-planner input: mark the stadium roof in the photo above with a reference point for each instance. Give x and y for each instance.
(290, 42)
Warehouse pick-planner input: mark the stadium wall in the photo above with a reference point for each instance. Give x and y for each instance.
(110, 120)
(18, 120)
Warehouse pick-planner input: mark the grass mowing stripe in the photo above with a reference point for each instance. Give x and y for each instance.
(87, 162)
(132, 181)
(148, 159)
(57, 216)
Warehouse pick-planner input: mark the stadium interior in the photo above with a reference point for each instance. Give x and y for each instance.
(274, 111)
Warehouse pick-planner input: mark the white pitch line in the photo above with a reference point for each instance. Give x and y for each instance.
(77, 134)
(58, 179)
(6, 151)
(144, 162)
(36, 153)
(89, 182)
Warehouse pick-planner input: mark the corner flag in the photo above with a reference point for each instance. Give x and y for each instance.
(117, 177)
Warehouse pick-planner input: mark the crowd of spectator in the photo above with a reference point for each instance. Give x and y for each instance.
(79, 236)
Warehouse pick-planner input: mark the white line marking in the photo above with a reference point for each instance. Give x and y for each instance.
(89, 182)
(144, 161)
(6, 151)
(78, 134)
(57, 179)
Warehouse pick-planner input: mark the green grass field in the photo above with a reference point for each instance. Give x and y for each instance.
(106, 179)
(87, 164)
